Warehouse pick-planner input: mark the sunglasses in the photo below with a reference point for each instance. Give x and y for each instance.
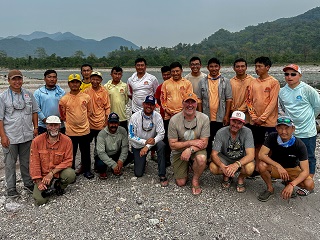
(290, 74)
(284, 120)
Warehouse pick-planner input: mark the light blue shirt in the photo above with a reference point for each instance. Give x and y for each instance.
(302, 104)
(48, 102)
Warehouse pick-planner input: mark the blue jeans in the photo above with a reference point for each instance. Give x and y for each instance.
(311, 147)
(140, 162)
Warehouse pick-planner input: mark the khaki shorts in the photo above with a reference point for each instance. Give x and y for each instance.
(180, 168)
(293, 173)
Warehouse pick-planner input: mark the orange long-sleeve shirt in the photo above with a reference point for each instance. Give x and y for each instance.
(172, 94)
(262, 101)
(240, 88)
(44, 156)
(74, 110)
(100, 107)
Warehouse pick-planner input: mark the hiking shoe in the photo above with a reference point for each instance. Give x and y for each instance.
(29, 188)
(103, 176)
(264, 196)
(88, 175)
(13, 193)
(79, 170)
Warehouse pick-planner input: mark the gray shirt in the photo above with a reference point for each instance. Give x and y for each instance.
(183, 130)
(233, 148)
(16, 111)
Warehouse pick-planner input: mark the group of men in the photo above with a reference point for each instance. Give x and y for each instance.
(234, 125)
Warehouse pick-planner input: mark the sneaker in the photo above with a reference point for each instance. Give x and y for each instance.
(79, 170)
(13, 193)
(103, 176)
(88, 175)
(29, 188)
(264, 196)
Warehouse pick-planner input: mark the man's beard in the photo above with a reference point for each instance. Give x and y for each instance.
(53, 133)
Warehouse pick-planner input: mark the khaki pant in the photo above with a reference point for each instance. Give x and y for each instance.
(67, 176)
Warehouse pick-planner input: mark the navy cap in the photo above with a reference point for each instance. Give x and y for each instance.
(150, 99)
(113, 117)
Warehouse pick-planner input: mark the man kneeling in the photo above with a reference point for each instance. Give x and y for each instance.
(288, 161)
(233, 151)
(50, 162)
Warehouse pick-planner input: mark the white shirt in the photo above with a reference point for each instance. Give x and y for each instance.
(139, 88)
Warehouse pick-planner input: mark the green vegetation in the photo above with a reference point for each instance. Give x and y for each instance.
(285, 40)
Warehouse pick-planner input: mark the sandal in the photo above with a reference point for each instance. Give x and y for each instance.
(194, 190)
(164, 182)
(241, 188)
(303, 192)
(226, 183)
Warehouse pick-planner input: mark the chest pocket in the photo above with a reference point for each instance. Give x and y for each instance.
(58, 157)
(44, 158)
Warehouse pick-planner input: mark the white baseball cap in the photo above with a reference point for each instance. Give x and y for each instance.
(238, 115)
(53, 119)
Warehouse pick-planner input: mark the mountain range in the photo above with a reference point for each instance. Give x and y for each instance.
(62, 44)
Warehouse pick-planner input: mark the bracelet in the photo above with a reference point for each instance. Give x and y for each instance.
(291, 184)
(239, 164)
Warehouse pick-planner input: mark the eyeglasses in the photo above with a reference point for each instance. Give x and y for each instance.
(290, 74)
(284, 120)
(189, 128)
(149, 126)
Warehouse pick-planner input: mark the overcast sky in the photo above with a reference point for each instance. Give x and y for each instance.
(144, 22)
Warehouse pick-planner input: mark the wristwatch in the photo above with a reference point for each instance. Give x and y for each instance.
(191, 150)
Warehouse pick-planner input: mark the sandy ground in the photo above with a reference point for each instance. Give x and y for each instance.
(129, 208)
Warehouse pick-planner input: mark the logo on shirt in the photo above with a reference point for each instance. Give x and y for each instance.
(299, 97)
(267, 89)
(146, 83)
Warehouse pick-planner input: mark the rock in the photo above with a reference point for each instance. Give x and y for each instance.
(13, 206)
(133, 179)
(153, 221)
(139, 201)
(137, 216)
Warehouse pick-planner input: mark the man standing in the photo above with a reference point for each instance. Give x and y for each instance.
(173, 92)
(262, 103)
(48, 98)
(216, 98)
(141, 84)
(86, 70)
(51, 159)
(233, 151)
(166, 74)
(146, 132)
(112, 147)
(302, 103)
(195, 75)
(188, 135)
(75, 107)
(118, 94)
(240, 85)
(100, 102)
(18, 126)
(283, 156)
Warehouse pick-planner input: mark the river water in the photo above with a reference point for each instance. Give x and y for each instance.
(310, 74)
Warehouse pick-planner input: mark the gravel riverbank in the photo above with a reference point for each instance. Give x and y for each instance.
(129, 208)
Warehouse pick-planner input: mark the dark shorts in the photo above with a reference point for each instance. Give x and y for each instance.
(260, 133)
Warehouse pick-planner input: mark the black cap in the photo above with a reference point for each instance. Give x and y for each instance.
(113, 117)
(150, 99)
